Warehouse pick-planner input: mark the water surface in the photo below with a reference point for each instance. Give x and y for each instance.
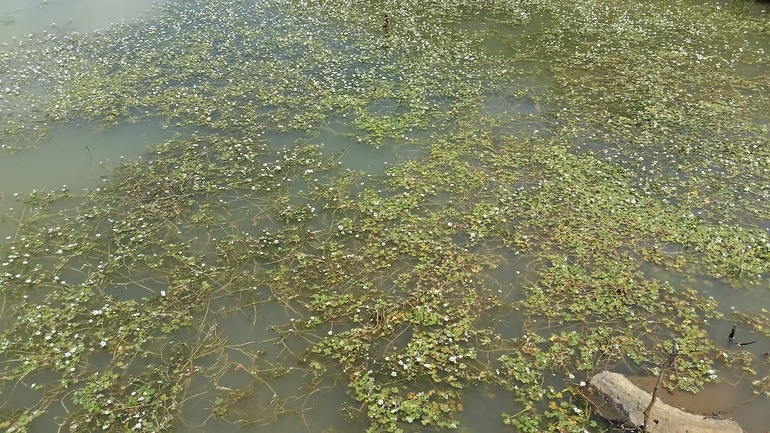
(308, 217)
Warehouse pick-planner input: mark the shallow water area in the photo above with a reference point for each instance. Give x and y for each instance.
(444, 215)
(19, 18)
(721, 400)
(75, 157)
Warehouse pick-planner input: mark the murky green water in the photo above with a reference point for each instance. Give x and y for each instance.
(20, 18)
(305, 216)
(79, 154)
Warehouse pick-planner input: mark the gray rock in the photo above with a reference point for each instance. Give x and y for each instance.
(617, 399)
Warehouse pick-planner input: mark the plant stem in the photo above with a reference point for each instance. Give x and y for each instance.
(666, 364)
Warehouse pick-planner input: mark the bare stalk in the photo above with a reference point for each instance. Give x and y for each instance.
(663, 368)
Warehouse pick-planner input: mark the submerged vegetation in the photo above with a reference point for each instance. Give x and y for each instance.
(572, 151)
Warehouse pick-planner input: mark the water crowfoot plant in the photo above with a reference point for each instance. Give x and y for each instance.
(238, 269)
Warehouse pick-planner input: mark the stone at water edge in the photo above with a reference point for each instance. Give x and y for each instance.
(617, 399)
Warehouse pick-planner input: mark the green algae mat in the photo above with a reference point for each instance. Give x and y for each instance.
(389, 216)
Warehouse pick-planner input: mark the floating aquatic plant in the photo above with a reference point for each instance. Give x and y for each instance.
(644, 146)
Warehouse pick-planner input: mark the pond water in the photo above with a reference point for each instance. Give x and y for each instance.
(279, 215)
(20, 18)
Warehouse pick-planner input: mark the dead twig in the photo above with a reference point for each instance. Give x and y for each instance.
(669, 361)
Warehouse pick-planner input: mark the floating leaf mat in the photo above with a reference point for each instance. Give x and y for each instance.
(579, 184)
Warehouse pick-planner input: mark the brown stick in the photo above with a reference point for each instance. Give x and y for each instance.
(666, 364)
